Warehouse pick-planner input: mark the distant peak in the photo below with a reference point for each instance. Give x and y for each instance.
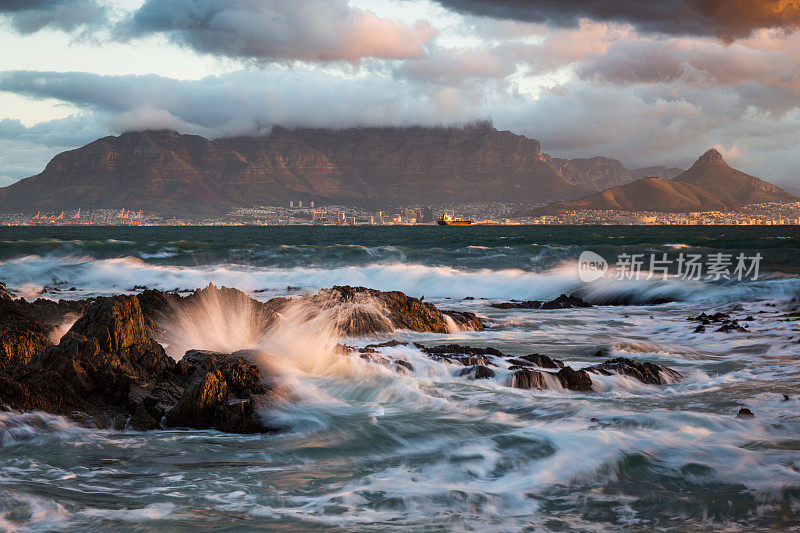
(712, 157)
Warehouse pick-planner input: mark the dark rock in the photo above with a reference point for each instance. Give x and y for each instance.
(458, 349)
(362, 311)
(18, 346)
(744, 412)
(699, 329)
(577, 380)
(528, 304)
(786, 397)
(477, 372)
(645, 372)
(527, 379)
(542, 361)
(731, 326)
(224, 393)
(402, 364)
(565, 302)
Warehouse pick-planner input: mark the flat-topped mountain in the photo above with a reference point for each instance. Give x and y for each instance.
(167, 172)
(709, 185)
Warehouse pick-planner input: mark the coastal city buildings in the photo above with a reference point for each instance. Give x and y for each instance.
(481, 213)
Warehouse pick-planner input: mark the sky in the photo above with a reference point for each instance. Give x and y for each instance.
(648, 83)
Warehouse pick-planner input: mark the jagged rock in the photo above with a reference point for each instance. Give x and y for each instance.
(362, 311)
(477, 372)
(577, 380)
(224, 392)
(565, 302)
(18, 346)
(107, 367)
(646, 372)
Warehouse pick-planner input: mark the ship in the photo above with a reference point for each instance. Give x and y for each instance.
(449, 220)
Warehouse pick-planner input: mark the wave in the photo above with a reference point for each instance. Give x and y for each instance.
(93, 276)
(18, 427)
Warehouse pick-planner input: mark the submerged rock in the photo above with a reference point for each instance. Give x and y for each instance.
(527, 304)
(646, 372)
(527, 379)
(562, 302)
(744, 412)
(565, 302)
(537, 359)
(477, 372)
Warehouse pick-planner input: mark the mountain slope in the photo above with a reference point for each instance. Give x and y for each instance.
(649, 194)
(167, 172)
(709, 185)
(732, 186)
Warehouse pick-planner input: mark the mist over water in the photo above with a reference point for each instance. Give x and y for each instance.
(367, 447)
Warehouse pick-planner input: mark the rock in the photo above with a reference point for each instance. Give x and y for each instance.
(731, 326)
(4, 294)
(744, 412)
(528, 304)
(577, 380)
(565, 302)
(477, 372)
(224, 393)
(361, 311)
(527, 379)
(699, 329)
(458, 349)
(645, 372)
(464, 355)
(18, 346)
(786, 397)
(537, 359)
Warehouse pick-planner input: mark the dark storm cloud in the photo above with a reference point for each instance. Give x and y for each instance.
(310, 30)
(30, 16)
(727, 19)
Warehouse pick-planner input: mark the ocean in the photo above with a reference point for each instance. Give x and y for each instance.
(365, 448)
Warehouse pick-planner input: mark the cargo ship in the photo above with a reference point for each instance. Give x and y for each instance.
(448, 220)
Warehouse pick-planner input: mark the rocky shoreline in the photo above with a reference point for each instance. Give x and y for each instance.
(109, 371)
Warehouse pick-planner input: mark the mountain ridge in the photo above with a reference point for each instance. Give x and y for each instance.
(710, 184)
(166, 171)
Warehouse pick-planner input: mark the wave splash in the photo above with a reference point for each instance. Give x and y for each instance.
(110, 276)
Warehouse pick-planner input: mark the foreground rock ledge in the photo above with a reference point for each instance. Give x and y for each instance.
(107, 371)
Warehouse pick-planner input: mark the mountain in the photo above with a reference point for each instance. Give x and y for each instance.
(648, 194)
(167, 172)
(655, 172)
(732, 186)
(595, 173)
(709, 185)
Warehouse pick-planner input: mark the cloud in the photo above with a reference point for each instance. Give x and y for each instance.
(308, 30)
(245, 101)
(31, 16)
(727, 19)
